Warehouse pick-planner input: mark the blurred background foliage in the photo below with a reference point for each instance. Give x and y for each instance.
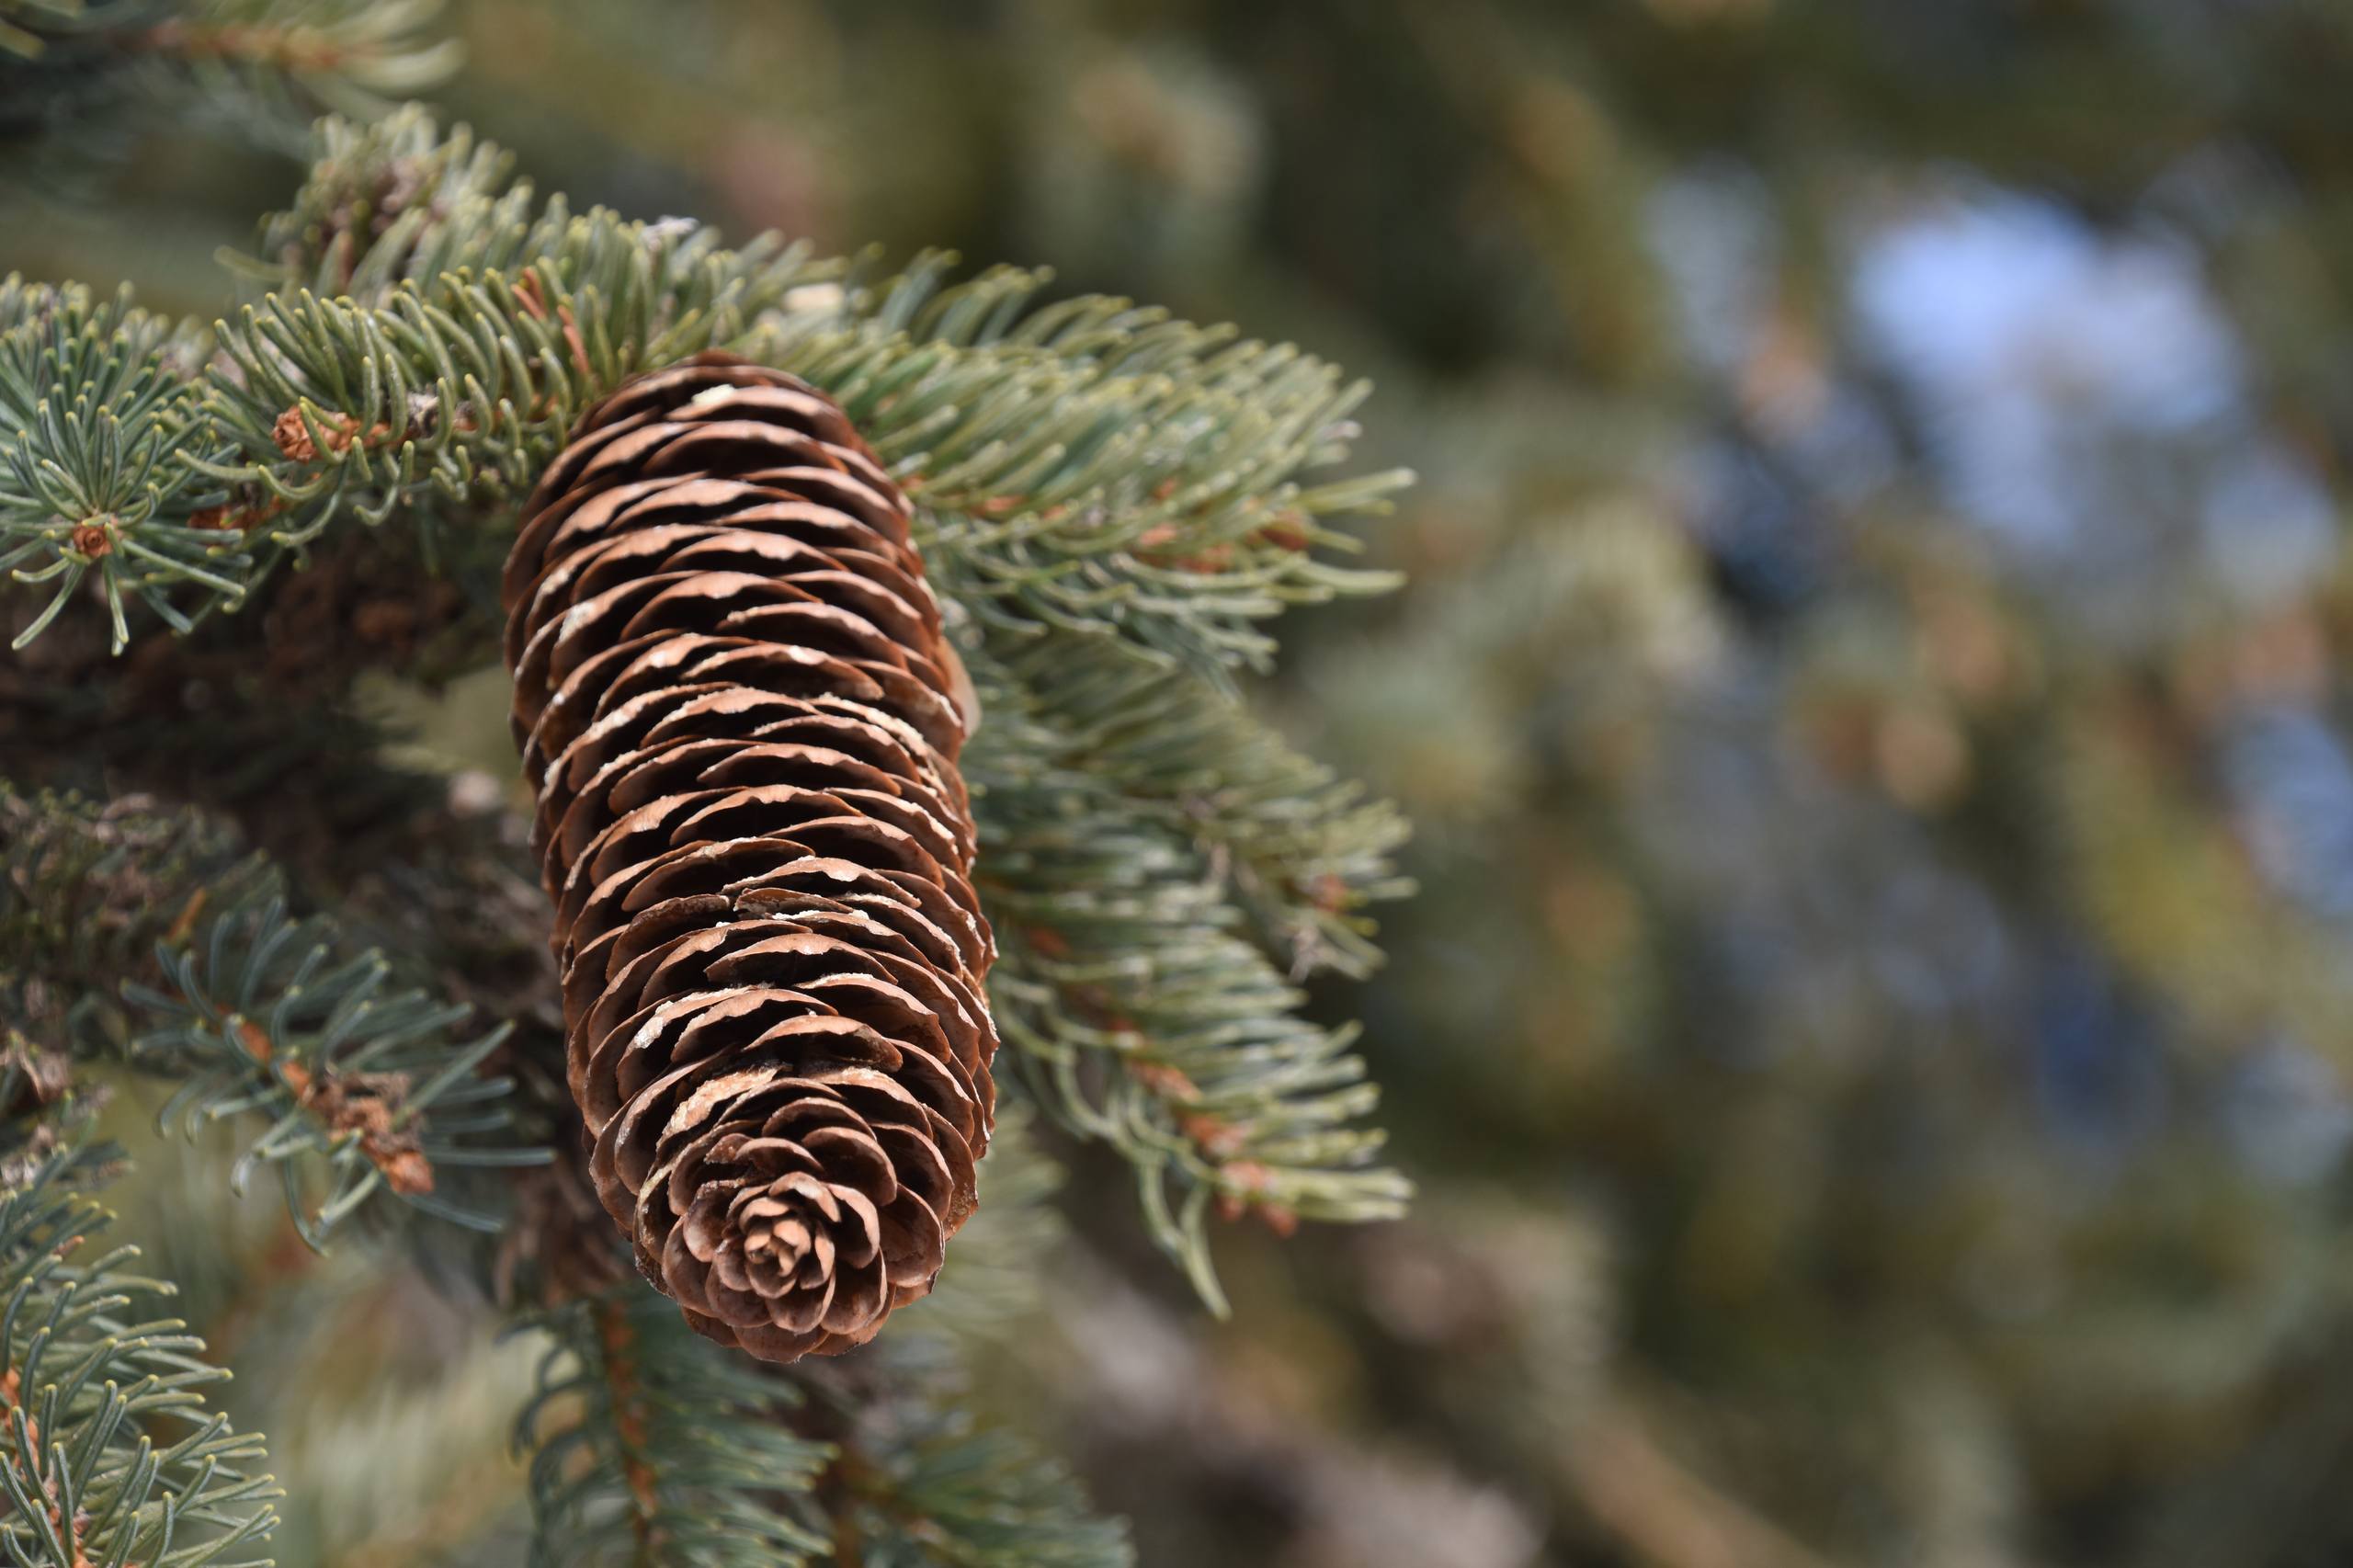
(1874, 1034)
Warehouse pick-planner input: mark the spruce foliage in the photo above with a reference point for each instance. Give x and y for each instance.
(1113, 504)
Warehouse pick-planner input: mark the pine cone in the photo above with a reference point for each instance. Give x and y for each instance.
(732, 695)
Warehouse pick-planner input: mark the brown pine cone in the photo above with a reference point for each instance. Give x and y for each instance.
(732, 695)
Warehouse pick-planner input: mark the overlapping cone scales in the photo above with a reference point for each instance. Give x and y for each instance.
(732, 695)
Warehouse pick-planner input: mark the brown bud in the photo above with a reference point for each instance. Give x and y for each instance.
(1288, 531)
(1214, 1135)
(406, 1171)
(294, 436)
(1168, 1083)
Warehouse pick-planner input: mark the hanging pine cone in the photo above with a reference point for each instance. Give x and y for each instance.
(732, 695)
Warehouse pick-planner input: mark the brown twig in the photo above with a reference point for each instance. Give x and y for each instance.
(616, 1342)
(1216, 1139)
(284, 49)
(363, 1103)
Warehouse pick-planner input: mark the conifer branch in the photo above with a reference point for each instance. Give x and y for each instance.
(107, 1455)
(93, 395)
(1082, 465)
(1140, 1009)
(927, 1486)
(80, 77)
(649, 1444)
(1301, 850)
(88, 890)
(365, 1087)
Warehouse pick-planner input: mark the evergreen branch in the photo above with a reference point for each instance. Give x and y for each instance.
(1086, 464)
(108, 1456)
(364, 1085)
(88, 890)
(82, 76)
(399, 200)
(355, 56)
(1038, 439)
(1300, 848)
(93, 418)
(1091, 465)
(456, 391)
(936, 1489)
(650, 1444)
(1141, 1012)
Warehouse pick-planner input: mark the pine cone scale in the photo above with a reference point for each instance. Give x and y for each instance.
(735, 696)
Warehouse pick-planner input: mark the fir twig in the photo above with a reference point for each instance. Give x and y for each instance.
(107, 1457)
(1086, 464)
(88, 890)
(365, 1085)
(649, 1444)
(1137, 1006)
(927, 1486)
(80, 78)
(1301, 850)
